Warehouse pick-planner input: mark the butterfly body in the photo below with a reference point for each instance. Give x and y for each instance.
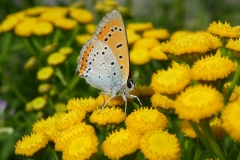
(104, 59)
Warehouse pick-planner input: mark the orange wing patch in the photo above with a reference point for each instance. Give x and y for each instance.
(85, 58)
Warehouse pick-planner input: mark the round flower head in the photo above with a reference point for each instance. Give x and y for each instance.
(9, 23)
(188, 130)
(235, 93)
(161, 101)
(145, 43)
(46, 127)
(38, 103)
(64, 137)
(56, 58)
(81, 147)
(157, 145)
(83, 38)
(171, 81)
(140, 26)
(198, 102)
(156, 53)
(139, 56)
(84, 105)
(86, 16)
(223, 30)
(66, 50)
(132, 36)
(49, 48)
(53, 13)
(66, 23)
(180, 34)
(60, 107)
(32, 61)
(102, 98)
(90, 28)
(67, 120)
(234, 46)
(25, 27)
(107, 116)
(30, 144)
(142, 91)
(44, 88)
(230, 119)
(156, 33)
(217, 128)
(45, 73)
(145, 120)
(42, 28)
(212, 68)
(34, 11)
(120, 143)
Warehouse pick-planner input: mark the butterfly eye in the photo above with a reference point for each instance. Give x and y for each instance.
(130, 84)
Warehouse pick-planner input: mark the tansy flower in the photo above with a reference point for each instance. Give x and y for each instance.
(146, 43)
(83, 38)
(66, 50)
(102, 7)
(35, 10)
(107, 116)
(102, 99)
(9, 23)
(156, 33)
(212, 68)
(179, 34)
(140, 26)
(56, 58)
(31, 62)
(30, 144)
(217, 128)
(49, 48)
(46, 127)
(66, 136)
(65, 23)
(156, 53)
(160, 145)
(84, 105)
(171, 81)
(144, 120)
(42, 28)
(81, 147)
(234, 46)
(223, 30)
(45, 73)
(188, 130)
(139, 56)
(19, 15)
(142, 91)
(90, 28)
(235, 93)
(44, 88)
(132, 36)
(161, 101)
(60, 107)
(38, 103)
(230, 120)
(198, 102)
(51, 14)
(66, 120)
(81, 15)
(25, 27)
(120, 143)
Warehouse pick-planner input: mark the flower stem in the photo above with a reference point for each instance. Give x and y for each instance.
(60, 76)
(29, 46)
(72, 37)
(36, 43)
(233, 84)
(57, 36)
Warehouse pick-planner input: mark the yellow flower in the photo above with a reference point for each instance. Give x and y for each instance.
(144, 120)
(49, 48)
(146, 43)
(42, 28)
(19, 15)
(198, 102)
(38, 103)
(217, 128)
(140, 26)
(66, 120)
(81, 15)
(60, 107)
(158, 145)
(234, 46)
(31, 62)
(132, 36)
(85, 105)
(66, 50)
(83, 38)
(139, 56)
(65, 23)
(156, 53)
(230, 119)
(212, 68)
(90, 28)
(142, 90)
(171, 81)
(25, 27)
(66, 136)
(107, 116)
(46, 127)
(156, 33)
(9, 23)
(51, 14)
(35, 10)
(188, 130)
(56, 59)
(235, 94)
(45, 73)
(223, 30)
(102, 98)
(30, 144)
(180, 34)
(44, 88)
(81, 147)
(120, 143)
(161, 101)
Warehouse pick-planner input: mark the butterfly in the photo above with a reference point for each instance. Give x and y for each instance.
(104, 59)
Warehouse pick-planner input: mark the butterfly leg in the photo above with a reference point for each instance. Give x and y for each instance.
(125, 99)
(133, 96)
(113, 96)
